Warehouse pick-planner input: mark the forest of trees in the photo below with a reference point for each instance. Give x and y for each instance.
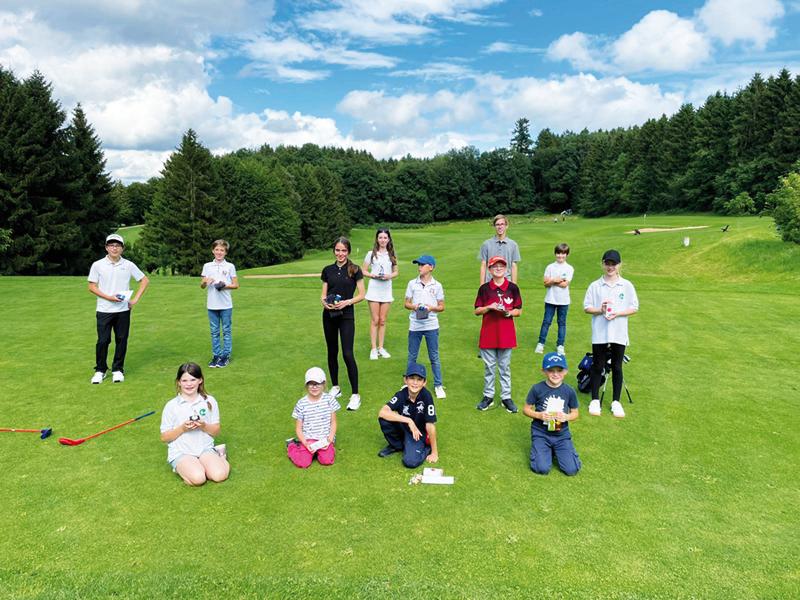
(57, 202)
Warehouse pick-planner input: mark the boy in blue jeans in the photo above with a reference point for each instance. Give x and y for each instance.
(552, 404)
(425, 299)
(219, 276)
(557, 277)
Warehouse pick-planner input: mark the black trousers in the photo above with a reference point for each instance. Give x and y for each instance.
(600, 356)
(120, 322)
(336, 328)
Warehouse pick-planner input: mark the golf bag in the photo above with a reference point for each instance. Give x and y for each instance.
(585, 374)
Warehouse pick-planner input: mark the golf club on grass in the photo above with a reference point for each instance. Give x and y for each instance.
(43, 433)
(78, 442)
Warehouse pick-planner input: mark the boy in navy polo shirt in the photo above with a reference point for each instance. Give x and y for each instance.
(109, 280)
(552, 404)
(408, 421)
(498, 302)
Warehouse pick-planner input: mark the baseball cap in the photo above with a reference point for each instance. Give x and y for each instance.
(554, 359)
(425, 259)
(115, 237)
(496, 259)
(613, 256)
(315, 374)
(416, 369)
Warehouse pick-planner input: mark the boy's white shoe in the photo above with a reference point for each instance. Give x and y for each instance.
(355, 402)
(539, 349)
(373, 354)
(98, 377)
(383, 353)
(617, 410)
(560, 350)
(117, 377)
(336, 391)
(594, 407)
(440, 392)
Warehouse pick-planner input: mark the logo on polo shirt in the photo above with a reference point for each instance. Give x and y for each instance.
(406, 412)
(420, 407)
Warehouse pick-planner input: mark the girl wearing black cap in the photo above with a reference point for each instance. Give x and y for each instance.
(610, 300)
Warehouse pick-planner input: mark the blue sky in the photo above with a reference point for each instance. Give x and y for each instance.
(393, 77)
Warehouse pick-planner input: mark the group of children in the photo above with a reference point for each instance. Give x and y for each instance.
(191, 419)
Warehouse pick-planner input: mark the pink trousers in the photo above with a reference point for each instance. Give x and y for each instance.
(302, 458)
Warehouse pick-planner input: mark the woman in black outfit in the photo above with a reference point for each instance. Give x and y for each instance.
(340, 281)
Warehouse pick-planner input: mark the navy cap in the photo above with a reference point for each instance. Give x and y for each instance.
(425, 259)
(613, 256)
(554, 359)
(416, 369)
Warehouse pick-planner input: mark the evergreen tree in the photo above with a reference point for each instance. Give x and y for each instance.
(89, 189)
(711, 156)
(187, 214)
(521, 138)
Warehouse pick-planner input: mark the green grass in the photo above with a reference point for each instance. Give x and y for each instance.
(693, 495)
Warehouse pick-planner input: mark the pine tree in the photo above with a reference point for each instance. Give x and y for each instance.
(89, 188)
(186, 210)
(521, 138)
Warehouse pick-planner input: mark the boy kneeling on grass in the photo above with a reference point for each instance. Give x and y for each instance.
(405, 416)
(552, 404)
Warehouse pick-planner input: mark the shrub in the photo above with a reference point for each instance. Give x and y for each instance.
(786, 212)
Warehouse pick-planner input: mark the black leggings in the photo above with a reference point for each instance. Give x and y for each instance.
(346, 329)
(600, 356)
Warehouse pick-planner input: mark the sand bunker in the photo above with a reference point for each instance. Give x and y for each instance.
(286, 276)
(658, 229)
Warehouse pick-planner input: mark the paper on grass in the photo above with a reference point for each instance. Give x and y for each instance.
(436, 476)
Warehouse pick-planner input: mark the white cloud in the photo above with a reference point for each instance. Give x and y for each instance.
(391, 21)
(508, 48)
(747, 21)
(437, 71)
(581, 50)
(661, 41)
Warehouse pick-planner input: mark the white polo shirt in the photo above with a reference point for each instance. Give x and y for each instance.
(177, 411)
(113, 278)
(554, 293)
(219, 271)
(428, 294)
(619, 296)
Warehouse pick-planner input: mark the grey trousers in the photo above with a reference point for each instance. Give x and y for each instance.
(500, 358)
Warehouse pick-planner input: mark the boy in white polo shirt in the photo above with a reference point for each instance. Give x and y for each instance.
(425, 299)
(557, 277)
(109, 280)
(219, 276)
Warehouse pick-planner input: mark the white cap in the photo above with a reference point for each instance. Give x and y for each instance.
(115, 237)
(315, 374)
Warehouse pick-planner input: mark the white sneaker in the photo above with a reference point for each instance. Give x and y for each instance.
(440, 392)
(336, 391)
(98, 377)
(373, 354)
(383, 353)
(594, 407)
(355, 402)
(617, 410)
(222, 450)
(117, 377)
(539, 349)
(560, 350)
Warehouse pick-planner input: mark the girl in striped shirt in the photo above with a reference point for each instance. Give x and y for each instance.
(315, 423)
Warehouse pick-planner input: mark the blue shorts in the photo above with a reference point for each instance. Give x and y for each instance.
(174, 462)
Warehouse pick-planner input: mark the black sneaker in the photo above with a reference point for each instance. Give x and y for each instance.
(485, 404)
(223, 361)
(214, 362)
(388, 451)
(510, 406)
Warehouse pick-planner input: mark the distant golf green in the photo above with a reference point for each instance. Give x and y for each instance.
(693, 495)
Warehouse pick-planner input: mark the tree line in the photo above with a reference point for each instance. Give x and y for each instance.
(728, 156)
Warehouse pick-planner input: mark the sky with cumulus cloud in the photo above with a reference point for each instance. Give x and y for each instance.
(392, 77)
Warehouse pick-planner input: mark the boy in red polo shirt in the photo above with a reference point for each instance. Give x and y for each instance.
(498, 302)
